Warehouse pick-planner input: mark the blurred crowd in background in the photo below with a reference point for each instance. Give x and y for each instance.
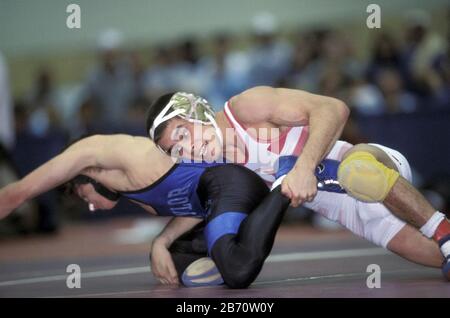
(409, 74)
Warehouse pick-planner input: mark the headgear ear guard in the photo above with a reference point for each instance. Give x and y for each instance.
(190, 107)
(99, 188)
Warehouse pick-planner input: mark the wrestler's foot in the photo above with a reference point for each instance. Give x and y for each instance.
(202, 272)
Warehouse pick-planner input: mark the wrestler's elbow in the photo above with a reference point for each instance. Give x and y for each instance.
(341, 109)
(86, 152)
(81, 158)
(90, 157)
(329, 107)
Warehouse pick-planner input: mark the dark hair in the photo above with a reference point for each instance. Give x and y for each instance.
(99, 188)
(153, 111)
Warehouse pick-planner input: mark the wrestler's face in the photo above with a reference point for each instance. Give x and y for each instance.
(87, 193)
(192, 141)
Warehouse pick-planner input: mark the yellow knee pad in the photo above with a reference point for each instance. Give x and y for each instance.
(365, 178)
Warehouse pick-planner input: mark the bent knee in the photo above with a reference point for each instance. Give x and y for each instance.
(378, 153)
(240, 273)
(365, 178)
(241, 279)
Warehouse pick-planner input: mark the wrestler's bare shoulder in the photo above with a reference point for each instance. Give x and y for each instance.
(123, 141)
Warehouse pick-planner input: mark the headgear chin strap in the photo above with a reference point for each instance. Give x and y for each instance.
(162, 117)
(190, 107)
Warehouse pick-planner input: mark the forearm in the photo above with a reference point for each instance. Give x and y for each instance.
(11, 197)
(325, 128)
(51, 174)
(175, 228)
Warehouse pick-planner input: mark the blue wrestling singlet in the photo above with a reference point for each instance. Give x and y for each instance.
(175, 193)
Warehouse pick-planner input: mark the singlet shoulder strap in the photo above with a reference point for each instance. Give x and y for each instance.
(240, 129)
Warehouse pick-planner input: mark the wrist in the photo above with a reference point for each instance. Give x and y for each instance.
(162, 241)
(305, 165)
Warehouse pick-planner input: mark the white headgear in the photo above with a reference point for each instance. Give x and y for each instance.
(190, 107)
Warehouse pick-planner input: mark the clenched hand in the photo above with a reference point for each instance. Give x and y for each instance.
(300, 185)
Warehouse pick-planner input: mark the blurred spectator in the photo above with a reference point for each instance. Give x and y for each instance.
(158, 79)
(302, 73)
(21, 117)
(395, 98)
(338, 51)
(43, 94)
(438, 80)
(6, 111)
(225, 73)
(138, 70)
(42, 104)
(133, 123)
(23, 219)
(366, 98)
(334, 83)
(324, 61)
(385, 54)
(269, 56)
(87, 119)
(110, 84)
(421, 49)
(186, 71)
(33, 149)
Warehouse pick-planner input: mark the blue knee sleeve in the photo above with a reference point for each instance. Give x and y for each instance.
(226, 223)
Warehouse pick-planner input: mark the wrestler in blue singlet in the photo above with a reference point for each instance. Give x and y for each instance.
(175, 193)
(241, 215)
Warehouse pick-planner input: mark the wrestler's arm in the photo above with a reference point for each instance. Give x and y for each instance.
(95, 151)
(174, 229)
(162, 265)
(325, 116)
